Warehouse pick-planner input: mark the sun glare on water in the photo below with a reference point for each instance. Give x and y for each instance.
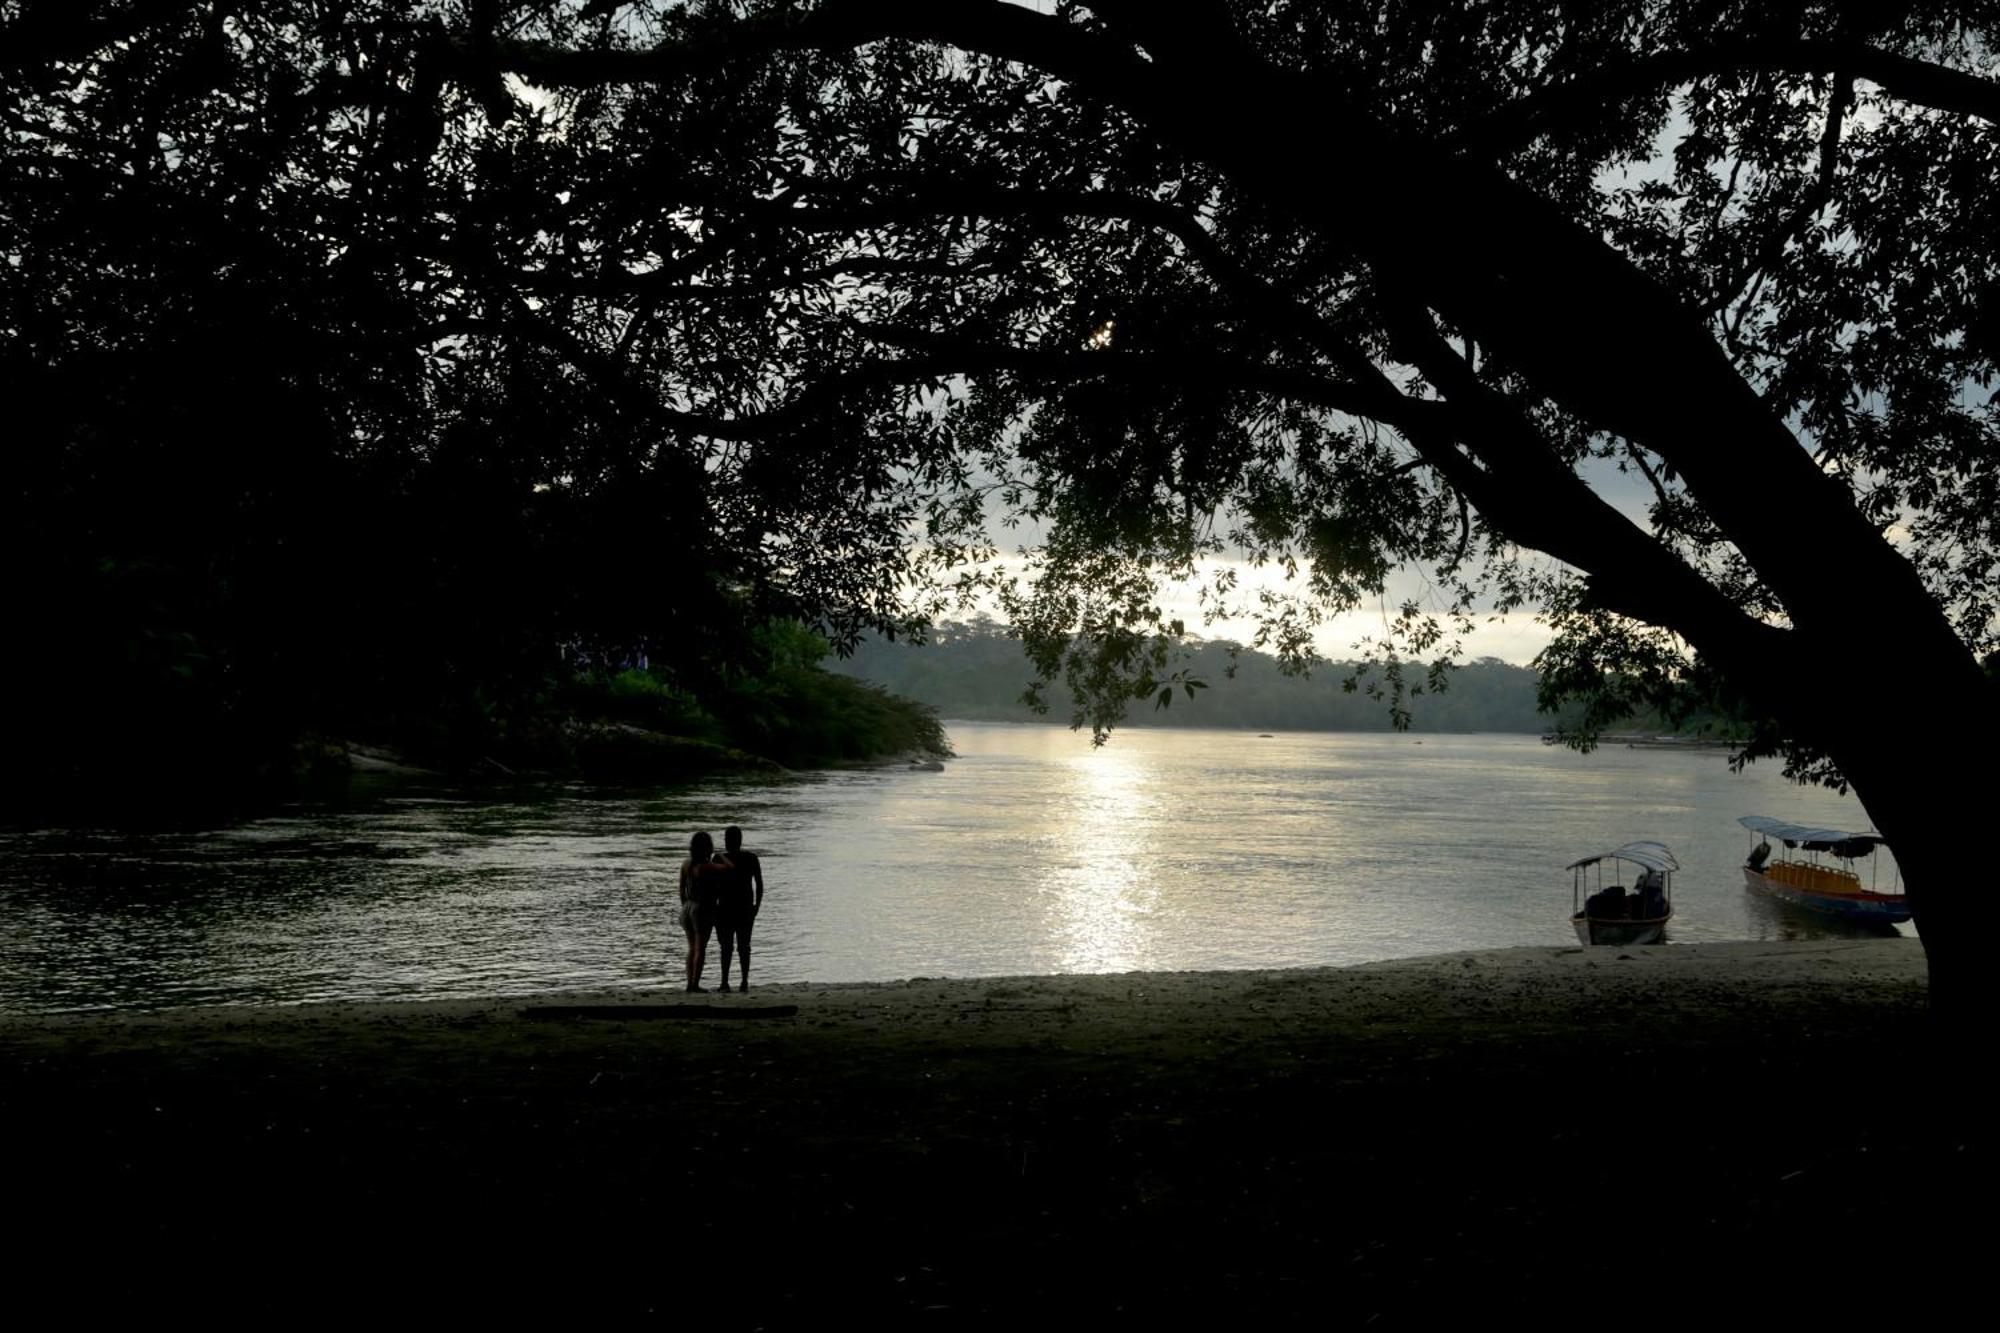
(1101, 901)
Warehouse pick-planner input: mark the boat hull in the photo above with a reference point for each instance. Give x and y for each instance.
(1887, 908)
(1619, 930)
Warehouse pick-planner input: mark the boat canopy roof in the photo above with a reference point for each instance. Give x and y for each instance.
(1814, 839)
(1652, 855)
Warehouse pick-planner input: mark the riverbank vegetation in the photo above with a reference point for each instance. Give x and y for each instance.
(187, 728)
(792, 709)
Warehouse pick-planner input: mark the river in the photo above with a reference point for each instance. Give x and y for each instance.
(1031, 852)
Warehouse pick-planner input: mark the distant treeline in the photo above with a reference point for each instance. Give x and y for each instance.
(978, 672)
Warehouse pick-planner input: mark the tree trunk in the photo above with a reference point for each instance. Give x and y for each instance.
(1924, 777)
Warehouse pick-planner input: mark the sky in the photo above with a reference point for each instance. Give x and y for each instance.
(1516, 638)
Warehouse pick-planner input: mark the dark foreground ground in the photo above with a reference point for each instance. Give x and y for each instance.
(1733, 1135)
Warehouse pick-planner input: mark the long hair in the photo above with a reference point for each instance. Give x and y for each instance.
(700, 848)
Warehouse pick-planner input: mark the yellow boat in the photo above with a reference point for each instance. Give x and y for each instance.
(1814, 884)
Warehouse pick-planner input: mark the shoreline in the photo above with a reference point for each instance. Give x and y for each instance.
(1884, 961)
(1386, 1144)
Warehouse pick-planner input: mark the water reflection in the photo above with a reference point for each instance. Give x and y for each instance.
(1092, 870)
(1030, 853)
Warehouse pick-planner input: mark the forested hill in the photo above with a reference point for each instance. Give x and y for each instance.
(978, 673)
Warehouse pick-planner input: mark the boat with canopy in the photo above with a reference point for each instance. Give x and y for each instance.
(1614, 913)
(1802, 878)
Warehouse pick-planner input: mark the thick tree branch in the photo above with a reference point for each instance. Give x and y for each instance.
(1585, 98)
(1543, 503)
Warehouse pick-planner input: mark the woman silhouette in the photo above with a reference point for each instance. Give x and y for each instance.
(702, 878)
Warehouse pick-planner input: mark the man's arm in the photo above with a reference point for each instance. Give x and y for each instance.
(757, 878)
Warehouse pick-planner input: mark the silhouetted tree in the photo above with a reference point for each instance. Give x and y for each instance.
(1348, 286)
(292, 451)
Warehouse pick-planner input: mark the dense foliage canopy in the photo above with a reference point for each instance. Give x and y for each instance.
(293, 452)
(637, 255)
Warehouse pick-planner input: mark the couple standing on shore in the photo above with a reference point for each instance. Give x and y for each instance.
(721, 893)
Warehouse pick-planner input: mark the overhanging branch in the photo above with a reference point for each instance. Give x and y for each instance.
(1539, 500)
(932, 357)
(1585, 98)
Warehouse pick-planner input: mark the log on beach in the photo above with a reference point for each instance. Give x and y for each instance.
(548, 1013)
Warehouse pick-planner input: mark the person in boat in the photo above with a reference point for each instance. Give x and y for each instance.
(702, 876)
(1607, 904)
(737, 905)
(1651, 903)
(1759, 855)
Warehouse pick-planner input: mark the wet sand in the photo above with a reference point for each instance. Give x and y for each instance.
(1552, 1132)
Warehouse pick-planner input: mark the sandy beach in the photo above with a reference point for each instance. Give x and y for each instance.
(1531, 1129)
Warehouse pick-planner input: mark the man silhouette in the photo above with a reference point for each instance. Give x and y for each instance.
(736, 909)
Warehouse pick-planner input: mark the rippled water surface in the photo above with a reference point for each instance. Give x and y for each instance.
(1031, 852)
